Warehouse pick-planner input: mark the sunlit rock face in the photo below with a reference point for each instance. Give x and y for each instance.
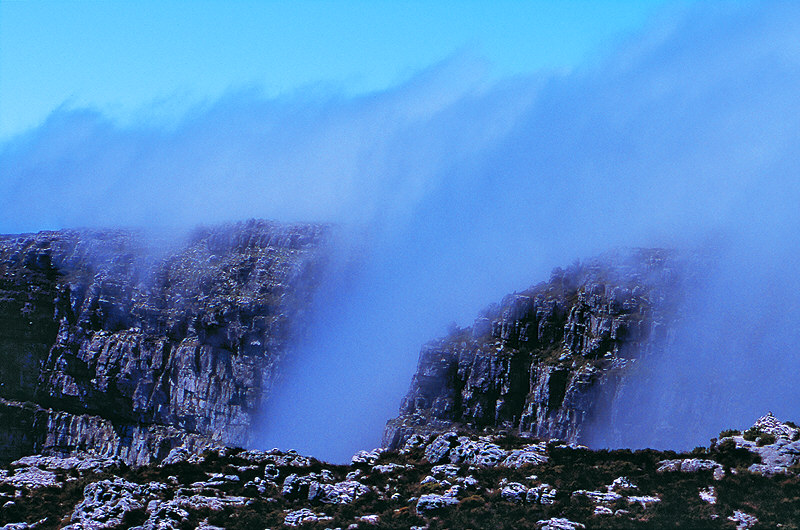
(115, 343)
(536, 363)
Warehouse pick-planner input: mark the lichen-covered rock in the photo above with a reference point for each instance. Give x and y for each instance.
(558, 523)
(709, 495)
(304, 516)
(439, 449)
(231, 488)
(305, 486)
(367, 457)
(481, 452)
(320, 487)
(742, 520)
(389, 468)
(514, 492)
(23, 526)
(172, 513)
(533, 454)
(432, 502)
(29, 477)
(602, 510)
(777, 445)
(445, 471)
(692, 465)
(542, 494)
(276, 458)
(79, 462)
(771, 425)
(601, 497)
(644, 500)
(369, 519)
(105, 504)
(345, 492)
(622, 483)
(477, 452)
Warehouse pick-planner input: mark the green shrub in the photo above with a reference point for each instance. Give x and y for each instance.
(751, 434)
(766, 439)
(472, 502)
(730, 432)
(430, 487)
(730, 456)
(698, 451)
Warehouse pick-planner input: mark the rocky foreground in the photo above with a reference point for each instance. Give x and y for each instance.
(743, 480)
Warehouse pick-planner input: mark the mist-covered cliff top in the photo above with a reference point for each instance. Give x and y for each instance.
(539, 362)
(161, 340)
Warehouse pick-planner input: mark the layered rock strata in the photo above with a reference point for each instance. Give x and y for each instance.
(533, 364)
(113, 343)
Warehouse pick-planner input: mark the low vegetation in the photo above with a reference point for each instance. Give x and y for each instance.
(396, 481)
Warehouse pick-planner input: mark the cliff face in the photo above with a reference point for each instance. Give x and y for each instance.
(534, 363)
(108, 345)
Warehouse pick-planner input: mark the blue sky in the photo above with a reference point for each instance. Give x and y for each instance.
(152, 60)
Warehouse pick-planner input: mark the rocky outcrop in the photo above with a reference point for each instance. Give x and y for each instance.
(131, 346)
(533, 363)
(450, 481)
(776, 443)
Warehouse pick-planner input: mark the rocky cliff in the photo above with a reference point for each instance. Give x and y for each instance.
(112, 343)
(535, 363)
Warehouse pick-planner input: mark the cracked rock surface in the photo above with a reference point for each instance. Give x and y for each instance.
(130, 346)
(533, 363)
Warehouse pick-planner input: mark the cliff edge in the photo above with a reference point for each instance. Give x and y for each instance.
(535, 363)
(113, 345)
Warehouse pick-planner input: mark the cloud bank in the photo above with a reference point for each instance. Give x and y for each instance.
(461, 190)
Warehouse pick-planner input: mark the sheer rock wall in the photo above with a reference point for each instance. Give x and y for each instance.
(534, 363)
(111, 342)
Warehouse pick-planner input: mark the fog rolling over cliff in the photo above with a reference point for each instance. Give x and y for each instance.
(457, 191)
(733, 353)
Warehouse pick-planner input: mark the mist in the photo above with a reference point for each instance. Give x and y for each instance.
(453, 189)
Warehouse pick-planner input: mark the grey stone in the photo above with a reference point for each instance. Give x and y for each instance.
(644, 500)
(439, 449)
(691, 465)
(304, 516)
(533, 454)
(542, 494)
(106, 502)
(431, 502)
(743, 520)
(514, 492)
(558, 523)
